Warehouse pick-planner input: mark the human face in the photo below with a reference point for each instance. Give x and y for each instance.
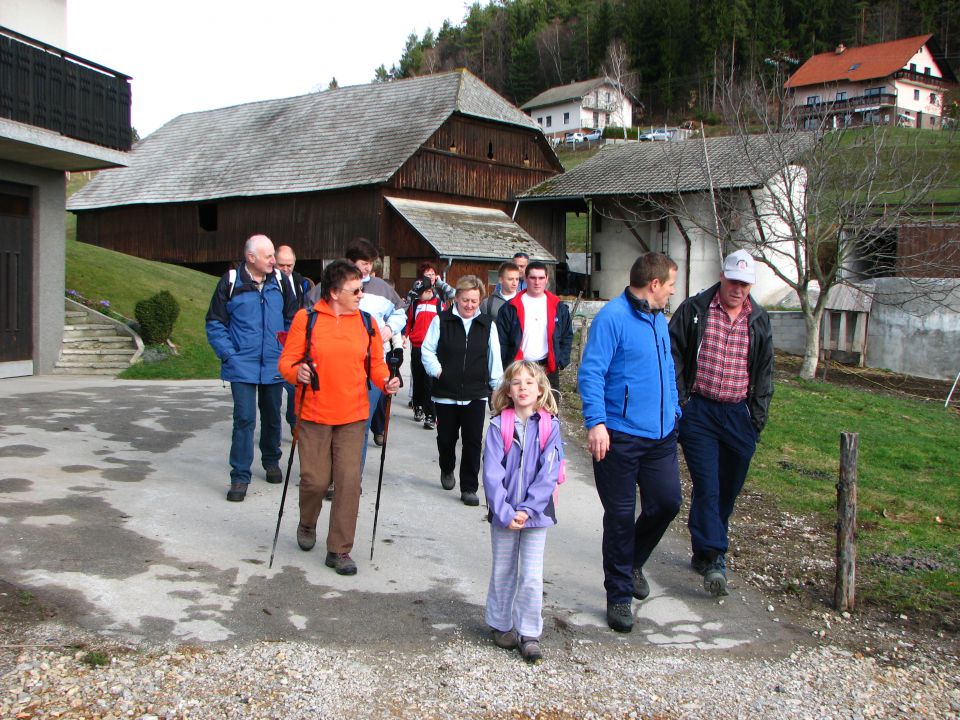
(521, 262)
(536, 282)
(660, 292)
(524, 391)
(733, 293)
(509, 282)
(430, 274)
(262, 259)
(286, 261)
(347, 298)
(467, 302)
(365, 267)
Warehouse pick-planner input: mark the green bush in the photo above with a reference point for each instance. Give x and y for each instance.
(156, 316)
(616, 133)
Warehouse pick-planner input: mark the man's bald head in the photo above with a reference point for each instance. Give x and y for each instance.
(286, 259)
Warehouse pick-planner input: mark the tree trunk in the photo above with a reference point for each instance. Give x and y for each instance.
(811, 350)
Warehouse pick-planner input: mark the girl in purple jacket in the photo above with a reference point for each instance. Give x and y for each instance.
(519, 480)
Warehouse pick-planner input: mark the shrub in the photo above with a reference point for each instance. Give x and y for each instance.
(156, 316)
(616, 132)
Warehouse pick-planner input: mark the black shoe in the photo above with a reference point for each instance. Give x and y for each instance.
(447, 481)
(530, 650)
(418, 415)
(237, 492)
(306, 537)
(329, 495)
(641, 588)
(699, 563)
(430, 423)
(469, 498)
(341, 562)
(378, 439)
(715, 576)
(620, 617)
(274, 475)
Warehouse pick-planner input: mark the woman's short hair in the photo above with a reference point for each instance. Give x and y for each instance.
(424, 266)
(335, 276)
(471, 282)
(649, 267)
(362, 249)
(545, 397)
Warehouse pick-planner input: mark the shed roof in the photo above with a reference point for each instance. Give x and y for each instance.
(463, 231)
(564, 93)
(340, 138)
(647, 168)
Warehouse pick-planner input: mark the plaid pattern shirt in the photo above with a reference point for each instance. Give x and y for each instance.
(723, 374)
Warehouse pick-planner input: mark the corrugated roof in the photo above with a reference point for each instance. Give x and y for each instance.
(563, 93)
(462, 231)
(647, 168)
(340, 138)
(858, 64)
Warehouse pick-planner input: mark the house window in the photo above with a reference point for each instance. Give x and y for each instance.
(813, 99)
(540, 121)
(913, 67)
(933, 98)
(842, 95)
(606, 97)
(493, 277)
(869, 92)
(596, 119)
(608, 118)
(926, 71)
(549, 120)
(490, 151)
(853, 67)
(566, 118)
(916, 94)
(207, 216)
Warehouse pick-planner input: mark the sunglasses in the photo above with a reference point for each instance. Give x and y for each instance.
(356, 291)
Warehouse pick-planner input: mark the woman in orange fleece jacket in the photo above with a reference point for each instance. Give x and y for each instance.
(332, 419)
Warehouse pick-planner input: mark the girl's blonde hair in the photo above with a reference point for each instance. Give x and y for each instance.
(545, 398)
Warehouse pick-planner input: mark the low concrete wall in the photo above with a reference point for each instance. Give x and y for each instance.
(789, 331)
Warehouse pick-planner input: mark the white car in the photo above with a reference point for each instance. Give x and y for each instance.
(660, 134)
(574, 138)
(593, 136)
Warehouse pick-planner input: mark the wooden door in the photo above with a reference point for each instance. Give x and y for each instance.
(16, 274)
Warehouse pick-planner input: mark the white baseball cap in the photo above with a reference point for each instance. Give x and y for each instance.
(741, 266)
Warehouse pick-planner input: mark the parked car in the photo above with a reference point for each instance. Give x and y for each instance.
(574, 138)
(659, 134)
(593, 136)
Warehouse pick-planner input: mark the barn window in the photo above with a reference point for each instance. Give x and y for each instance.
(490, 151)
(207, 216)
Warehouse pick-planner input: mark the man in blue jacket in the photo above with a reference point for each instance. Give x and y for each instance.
(249, 307)
(630, 409)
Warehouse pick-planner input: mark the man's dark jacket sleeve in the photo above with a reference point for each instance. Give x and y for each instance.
(508, 330)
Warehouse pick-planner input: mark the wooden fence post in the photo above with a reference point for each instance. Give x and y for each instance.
(844, 594)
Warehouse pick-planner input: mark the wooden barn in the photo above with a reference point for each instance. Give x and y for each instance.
(425, 168)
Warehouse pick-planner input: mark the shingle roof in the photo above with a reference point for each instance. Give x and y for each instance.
(646, 168)
(340, 138)
(857, 64)
(563, 93)
(462, 231)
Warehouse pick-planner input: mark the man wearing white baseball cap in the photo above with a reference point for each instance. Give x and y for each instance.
(722, 348)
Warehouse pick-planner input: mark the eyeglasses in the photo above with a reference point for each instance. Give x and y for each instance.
(355, 291)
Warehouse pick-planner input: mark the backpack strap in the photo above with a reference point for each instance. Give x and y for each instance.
(545, 418)
(368, 324)
(507, 419)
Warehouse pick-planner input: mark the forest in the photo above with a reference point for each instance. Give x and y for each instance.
(672, 55)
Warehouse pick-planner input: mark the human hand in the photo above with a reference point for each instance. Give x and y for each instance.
(393, 385)
(598, 441)
(386, 333)
(304, 374)
(519, 521)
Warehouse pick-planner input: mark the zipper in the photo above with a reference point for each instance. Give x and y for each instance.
(522, 443)
(660, 369)
(626, 398)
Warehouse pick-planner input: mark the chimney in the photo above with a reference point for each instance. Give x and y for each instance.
(841, 49)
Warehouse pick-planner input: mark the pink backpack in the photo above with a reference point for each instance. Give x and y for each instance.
(507, 418)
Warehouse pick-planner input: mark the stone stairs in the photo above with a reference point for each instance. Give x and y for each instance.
(94, 344)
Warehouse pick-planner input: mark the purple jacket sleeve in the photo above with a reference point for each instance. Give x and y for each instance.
(541, 487)
(494, 476)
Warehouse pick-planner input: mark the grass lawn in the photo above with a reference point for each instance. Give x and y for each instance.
(908, 486)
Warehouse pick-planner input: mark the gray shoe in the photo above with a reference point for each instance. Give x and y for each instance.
(620, 617)
(715, 576)
(274, 475)
(507, 640)
(342, 563)
(469, 498)
(530, 650)
(699, 563)
(447, 481)
(306, 537)
(237, 492)
(641, 588)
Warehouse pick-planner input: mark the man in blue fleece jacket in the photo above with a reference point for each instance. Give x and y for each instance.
(630, 408)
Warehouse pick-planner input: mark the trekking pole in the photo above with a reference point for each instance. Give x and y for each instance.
(394, 362)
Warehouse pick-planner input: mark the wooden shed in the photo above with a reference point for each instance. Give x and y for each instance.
(318, 170)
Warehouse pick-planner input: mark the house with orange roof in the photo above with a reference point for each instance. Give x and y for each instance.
(901, 82)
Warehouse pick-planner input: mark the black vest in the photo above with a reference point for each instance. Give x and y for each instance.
(465, 371)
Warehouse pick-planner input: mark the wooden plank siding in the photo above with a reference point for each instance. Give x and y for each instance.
(931, 251)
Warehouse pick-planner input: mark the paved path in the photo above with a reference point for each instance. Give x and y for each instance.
(112, 510)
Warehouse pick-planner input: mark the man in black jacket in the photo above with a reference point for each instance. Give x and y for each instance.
(722, 348)
(286, 261)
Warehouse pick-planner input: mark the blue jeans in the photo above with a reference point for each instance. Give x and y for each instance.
(247, 397)
(373, 398)
(718, 441)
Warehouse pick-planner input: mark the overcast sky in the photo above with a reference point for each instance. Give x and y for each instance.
(189, 55)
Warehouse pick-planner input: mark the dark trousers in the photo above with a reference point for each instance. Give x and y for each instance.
(718, 441)
(461, 422)
(634, 462)
(291, 413)
(422, 383)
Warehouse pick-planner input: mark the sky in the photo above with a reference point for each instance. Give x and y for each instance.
(190, 55)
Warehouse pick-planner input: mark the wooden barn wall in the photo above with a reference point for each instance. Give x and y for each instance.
(547, 225)
(929, 251)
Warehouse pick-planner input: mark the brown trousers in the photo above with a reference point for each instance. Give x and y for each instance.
(331, 453)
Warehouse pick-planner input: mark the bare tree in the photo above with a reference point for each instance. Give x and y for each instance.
(552, 43)
(616, 68)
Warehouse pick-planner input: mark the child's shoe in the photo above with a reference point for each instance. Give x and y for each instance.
(507, 640)
(530, 650)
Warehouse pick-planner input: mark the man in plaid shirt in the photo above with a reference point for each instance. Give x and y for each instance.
(722, 349)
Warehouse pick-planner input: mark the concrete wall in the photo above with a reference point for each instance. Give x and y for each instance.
(789, 331)
(48, 258)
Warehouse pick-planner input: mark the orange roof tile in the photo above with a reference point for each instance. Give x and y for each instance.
(858, 63)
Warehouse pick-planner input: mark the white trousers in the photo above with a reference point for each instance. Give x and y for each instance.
(515, 594)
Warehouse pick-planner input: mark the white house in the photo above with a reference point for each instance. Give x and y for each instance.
(589, 104)
(901, 82)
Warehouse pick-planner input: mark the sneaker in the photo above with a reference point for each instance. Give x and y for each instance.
(447, 481)
(430, 422)
(418, 415)
(342, 563)
(620, 617)
(469, 498)
(715, 576)
(306, 537)
(699, 563)
(237, 492)
(530, 650)
(507, 640)
(378, 439)
(274, 475)
(641, 588)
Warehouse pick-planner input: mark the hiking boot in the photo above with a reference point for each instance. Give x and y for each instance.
(530, 650)
(507, 640)
(378, 439)
(641, 588)
(417, 415)
(620, 617)
(715, 576)
(342, 563)
(699, 563)
(237, 492)
(274, 475)
(430, 422)
(469, 498)
(306, 537)
(447, 481)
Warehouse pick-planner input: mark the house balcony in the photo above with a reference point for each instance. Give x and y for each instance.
(859, 103)
(48, 88)
(922, 79)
